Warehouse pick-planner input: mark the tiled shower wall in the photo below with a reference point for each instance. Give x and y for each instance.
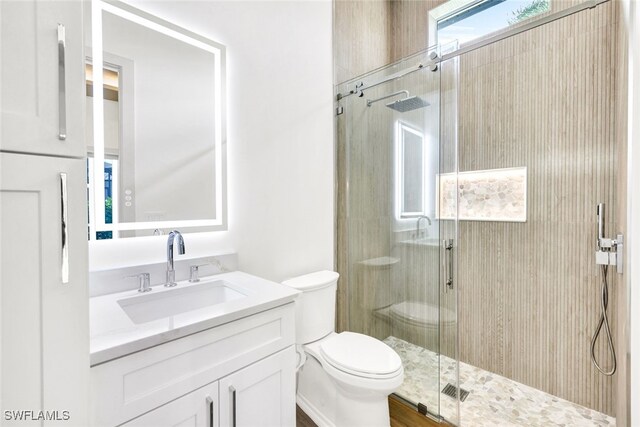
(545, 99)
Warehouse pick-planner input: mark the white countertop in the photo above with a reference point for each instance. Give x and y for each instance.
(424, 242)
(114, 334)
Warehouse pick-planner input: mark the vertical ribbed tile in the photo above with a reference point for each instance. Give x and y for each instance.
(529, 292)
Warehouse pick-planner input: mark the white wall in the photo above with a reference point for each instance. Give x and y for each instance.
(632, 15)
(280, 137)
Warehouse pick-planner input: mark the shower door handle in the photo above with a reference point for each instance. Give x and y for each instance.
(447, 244)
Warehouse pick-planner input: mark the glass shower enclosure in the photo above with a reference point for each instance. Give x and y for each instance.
(397, 220)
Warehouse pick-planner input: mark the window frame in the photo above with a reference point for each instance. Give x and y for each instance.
(453, 8)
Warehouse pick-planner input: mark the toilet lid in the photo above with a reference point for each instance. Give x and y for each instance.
(360, 354)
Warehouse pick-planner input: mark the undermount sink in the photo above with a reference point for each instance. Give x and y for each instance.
(171, 302)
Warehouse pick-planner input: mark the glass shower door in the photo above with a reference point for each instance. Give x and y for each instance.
(390, 235)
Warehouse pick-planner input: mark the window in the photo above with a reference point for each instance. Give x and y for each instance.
(462, 21)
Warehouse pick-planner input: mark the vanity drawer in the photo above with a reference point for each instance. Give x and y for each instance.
(132, 385)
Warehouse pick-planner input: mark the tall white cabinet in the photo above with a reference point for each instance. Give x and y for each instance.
(44, 336)
(44, 321)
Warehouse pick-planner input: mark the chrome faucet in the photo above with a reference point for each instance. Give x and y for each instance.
(171, 273)
(420, 218)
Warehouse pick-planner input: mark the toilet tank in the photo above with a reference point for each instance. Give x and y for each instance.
(316, 306)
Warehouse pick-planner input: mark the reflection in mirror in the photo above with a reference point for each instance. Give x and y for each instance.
(410, 172)
(157, 126)
(111, 78)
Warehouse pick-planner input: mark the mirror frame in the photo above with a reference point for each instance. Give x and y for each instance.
(125, 11)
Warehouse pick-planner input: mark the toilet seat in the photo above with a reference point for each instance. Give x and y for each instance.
(355, 377)
(361, 355)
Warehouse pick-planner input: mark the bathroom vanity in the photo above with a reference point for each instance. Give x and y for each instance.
(219, 352)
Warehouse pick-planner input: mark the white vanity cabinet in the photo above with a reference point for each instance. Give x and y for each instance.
(170, 384)
(42, 77)
(262, 394)
(197, 409)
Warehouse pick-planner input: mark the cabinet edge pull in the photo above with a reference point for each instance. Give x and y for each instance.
(62, 102)
(210, 411)
(63, 223)
(232, 389)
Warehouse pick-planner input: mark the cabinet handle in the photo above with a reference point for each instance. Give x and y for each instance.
(210, 404)
(62, 102)
(232, 389)
(63, 222)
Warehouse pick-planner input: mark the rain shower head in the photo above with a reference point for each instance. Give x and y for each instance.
(408, 104)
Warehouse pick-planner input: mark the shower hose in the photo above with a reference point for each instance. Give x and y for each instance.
(604, 321)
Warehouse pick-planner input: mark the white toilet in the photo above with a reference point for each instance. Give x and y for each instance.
(422, 323)
(343, 379)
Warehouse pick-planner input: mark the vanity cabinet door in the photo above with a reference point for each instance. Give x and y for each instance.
(44, 306)
(262, 394)
(196, 409)
(42, 79)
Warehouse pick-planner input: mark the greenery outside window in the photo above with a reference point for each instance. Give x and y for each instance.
(462, 21)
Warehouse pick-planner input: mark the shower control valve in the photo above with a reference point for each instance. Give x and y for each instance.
(603, 258)
(607, 244)
(610, 252)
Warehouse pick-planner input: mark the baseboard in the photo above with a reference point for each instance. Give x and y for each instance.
(401, 414)
(319, 419)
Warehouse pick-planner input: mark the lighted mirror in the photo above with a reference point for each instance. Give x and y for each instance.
(156, 130)
(410, 171)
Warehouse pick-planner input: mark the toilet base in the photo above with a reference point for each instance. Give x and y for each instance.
(331, 404)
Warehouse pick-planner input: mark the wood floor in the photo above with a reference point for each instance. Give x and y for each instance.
(401, 414)
(302, 419)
